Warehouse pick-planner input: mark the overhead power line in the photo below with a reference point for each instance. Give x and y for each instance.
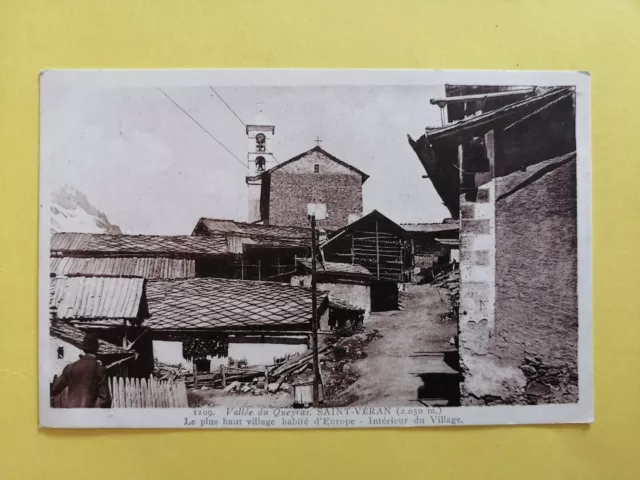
(202, 127)
(241, 121)
(237, 116)
(227, 105)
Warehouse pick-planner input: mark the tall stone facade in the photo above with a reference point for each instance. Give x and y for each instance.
(314, 177)
(518, 328)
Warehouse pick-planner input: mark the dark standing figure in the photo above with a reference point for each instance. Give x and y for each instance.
(85, 379)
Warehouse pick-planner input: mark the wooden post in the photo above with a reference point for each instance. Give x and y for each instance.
(259, 269)
(377, 251)
(266, 378)
(242, 267)
(353, 253)
(278, 259)
(121, 393)
(223, 376)
(314, 315)
(195, 375)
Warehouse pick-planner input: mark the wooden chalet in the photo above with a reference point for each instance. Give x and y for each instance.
(261, 252)
(379, 245)
(427, 250)
(114, 308)
(202, 317)
(149, 256)
(348, 286)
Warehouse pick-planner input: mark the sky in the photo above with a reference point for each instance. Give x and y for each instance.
(153, 170)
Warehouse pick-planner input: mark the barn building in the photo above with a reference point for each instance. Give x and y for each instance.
(379, 245)
(114, 308)
(263, 252)
(203, 322)
(348, 286)
(429, 256)
(279, 193)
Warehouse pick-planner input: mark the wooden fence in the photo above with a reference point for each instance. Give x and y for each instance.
(147, 393)
(138, 393)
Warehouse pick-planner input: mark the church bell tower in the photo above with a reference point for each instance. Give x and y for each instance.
(259, 160)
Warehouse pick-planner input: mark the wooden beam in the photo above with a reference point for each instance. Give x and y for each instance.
(480, 96)
(377, 251)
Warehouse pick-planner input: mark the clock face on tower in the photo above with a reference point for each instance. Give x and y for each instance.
(261, 142)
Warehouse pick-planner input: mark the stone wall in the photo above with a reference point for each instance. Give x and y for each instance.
(518, 328)
(536, 327)
(291, 192)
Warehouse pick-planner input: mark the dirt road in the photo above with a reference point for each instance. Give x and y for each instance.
(385, 374)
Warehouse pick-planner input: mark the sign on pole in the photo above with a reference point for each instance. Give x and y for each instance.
(317, 209)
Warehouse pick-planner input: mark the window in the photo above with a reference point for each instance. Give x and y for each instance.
(261, 142)
(60, 352)
(316, 168)
(260, 164)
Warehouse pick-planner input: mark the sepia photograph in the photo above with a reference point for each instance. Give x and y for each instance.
(291, 248)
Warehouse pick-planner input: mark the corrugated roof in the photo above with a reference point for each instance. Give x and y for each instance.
(139, 244)
(430, 227)
(96, 297)
(335, 267)
(253, 235)
(75, 336)
(147, 267)
(215, 303)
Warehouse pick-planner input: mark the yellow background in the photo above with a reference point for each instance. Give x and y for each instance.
(601, 37)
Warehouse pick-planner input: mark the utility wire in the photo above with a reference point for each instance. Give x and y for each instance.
(203, 129)
(227, 105)
(241, 121)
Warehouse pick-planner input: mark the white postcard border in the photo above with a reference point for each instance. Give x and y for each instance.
(355, 417)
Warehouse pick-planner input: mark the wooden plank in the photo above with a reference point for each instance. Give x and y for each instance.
(121, 394)
(143, 385)
(195, 376)
(154, 393)
(114, 399)
(151, 401)
(127, 393)
(134, 393)
(117, 393)
(165, 394)
(185, 399)
(161, 394)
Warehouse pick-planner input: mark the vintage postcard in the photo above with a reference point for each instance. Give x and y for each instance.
(314, 248)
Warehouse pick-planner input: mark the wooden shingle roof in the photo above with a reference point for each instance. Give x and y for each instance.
(87, 243)
(254, 235)
(219, 304)
(335, 267)
(147, 267)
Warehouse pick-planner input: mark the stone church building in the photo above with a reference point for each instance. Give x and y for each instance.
(279, 193)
